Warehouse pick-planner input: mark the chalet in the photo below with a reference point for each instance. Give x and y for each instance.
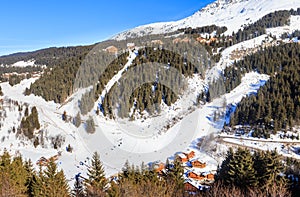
(192, 175)
(42, 161)
(201, 40)
(212, 40)
(157, 42)
(159, 168)
(188, 187)
(197, 177)
(230, 39)
(176, 40)
(210, 177)
(130, 46)
(193, 186)
(186, 40)
(111, 49)
(54, 158)
(183, 158)
(190, 155)
(198, 164)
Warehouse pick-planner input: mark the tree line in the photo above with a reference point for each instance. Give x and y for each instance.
(242, 173)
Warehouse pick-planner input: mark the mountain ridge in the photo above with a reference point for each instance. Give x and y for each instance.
(232, 14)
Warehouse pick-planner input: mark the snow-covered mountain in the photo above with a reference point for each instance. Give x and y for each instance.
(230, 13)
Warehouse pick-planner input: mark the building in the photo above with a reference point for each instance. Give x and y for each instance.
(198, 164)
(186, 40)
(192, 175)
(210, 177)
(157, 42)
(159, 168)
(183, 157)
(130, 46)
(197, 177)
(190, 155)
(42, 161)
(188, 187)
(176, 40)
(111, 49)
(201, 40)
(192, 186)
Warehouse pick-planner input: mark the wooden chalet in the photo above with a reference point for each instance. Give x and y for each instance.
(111, 49)
(188, 187)
(190, 155)
(198, 164)
(195, 176)
(210, 177)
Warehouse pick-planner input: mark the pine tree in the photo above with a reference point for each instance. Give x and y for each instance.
(29, 176)
(268, 166)
(223, 170)
(78, 189)
(90, 125)
(77, 120)
(35, 118)
(26, 112)
(18, 174)
(175, 175)
(114, 190)
(37, 186)
(51, 182)
(241, 170)
(96, 181)
(8, 178)
(64, 116)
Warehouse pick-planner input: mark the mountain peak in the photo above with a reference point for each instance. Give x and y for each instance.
(230, 13)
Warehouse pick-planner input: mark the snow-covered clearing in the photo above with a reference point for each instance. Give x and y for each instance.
(23, 64)
(286, 148)
(278, 31)
(226, 59)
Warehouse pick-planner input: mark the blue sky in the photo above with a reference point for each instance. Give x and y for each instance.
(35, 24)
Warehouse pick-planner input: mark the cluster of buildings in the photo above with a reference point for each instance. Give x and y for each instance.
(207, 41)
(197, 174)
(131, 46)
(43, 161)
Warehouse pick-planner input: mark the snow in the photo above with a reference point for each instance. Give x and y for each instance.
(51, 124)
(226, 59)
(111, 138)
(145, 139)
(25, 64)
(285, 148)
(117, 77)
(250, 84)
(120, 140)
(232, 15)
(278, 31)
